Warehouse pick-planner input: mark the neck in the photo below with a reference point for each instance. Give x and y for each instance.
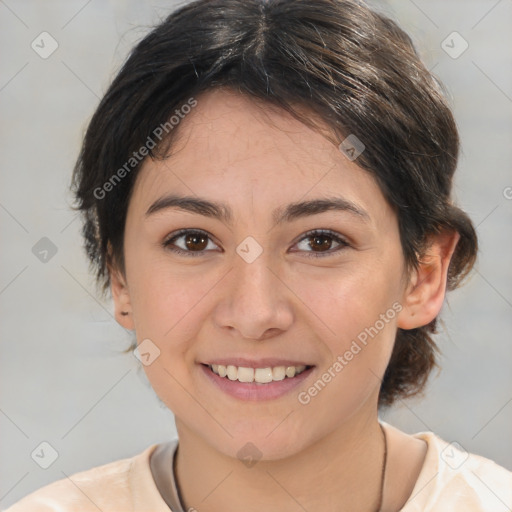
(341, 472)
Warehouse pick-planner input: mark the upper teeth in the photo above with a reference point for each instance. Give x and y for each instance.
(259, 375)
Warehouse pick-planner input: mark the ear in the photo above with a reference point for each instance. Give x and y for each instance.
(121, 296)
(426, 289)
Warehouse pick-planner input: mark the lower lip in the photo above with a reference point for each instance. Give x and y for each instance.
(253, 390)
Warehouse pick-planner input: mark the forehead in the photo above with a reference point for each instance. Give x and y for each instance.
(232, 148)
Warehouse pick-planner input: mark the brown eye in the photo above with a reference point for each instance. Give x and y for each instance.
(190, 242)
(318, 243)
(196, 242)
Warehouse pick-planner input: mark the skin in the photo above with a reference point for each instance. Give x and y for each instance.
(326, 455)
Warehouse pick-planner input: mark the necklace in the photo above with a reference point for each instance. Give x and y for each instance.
(383, 472)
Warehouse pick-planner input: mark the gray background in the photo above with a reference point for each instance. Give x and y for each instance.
(63, 378)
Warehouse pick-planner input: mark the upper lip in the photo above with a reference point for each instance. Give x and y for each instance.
(255, 363)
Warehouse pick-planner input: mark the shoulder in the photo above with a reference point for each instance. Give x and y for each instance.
(453, 479)
(108, 487)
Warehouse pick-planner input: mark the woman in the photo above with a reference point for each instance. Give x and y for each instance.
(266, 192)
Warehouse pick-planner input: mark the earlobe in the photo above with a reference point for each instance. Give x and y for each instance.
(121, 297)
(424, 296)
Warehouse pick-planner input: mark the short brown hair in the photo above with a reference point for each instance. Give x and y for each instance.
(353, 68)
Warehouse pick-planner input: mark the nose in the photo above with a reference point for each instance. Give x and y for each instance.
(255, 303)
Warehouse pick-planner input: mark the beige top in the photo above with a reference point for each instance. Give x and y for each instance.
(450, 480)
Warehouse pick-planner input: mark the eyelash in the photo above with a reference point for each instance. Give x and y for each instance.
(309, 234)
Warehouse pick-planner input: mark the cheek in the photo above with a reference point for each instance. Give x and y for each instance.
(347, 300)
(168, 310)
(164, 300)
(360, 336)
(355, 311)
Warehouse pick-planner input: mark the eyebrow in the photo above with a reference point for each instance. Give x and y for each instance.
(281, 214)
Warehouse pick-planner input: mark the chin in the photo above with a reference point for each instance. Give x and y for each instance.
(264, 440)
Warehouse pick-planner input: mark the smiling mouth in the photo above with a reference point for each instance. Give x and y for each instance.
(257, 375)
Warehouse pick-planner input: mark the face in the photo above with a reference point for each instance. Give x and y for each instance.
(284, 254)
